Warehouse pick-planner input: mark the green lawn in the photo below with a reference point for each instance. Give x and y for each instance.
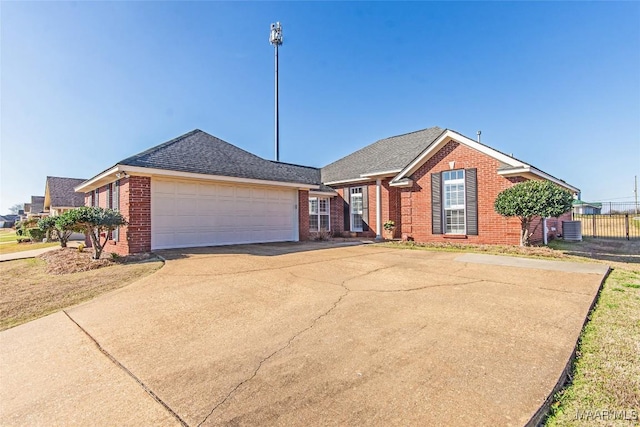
(606, 373)
(7, 235)
(9, 244)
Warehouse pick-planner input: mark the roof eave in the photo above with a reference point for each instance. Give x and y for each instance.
(323, 193)
(347, 181)
(531, 172)
(98, 180)
(110, 175)
(382, 174)
(402, 183)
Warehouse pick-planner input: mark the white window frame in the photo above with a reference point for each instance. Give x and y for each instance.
(318, 213)
(115, 197)
(356, 214)
(460, 208)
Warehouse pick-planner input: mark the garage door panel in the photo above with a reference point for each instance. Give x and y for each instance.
(187, 188)
(188, 214)
(165, 187)
(208, 190)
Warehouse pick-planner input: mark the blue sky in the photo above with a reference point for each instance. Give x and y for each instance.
(85, 84)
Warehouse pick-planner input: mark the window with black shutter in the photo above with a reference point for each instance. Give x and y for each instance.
(454, 202)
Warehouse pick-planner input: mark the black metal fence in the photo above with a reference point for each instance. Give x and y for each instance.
(614, 220)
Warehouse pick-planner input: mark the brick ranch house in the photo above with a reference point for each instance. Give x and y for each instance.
(197, 190)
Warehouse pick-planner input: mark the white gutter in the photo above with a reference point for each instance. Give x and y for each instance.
(380, 174)
(536, 172)
(405, 182)
(323, 193)
(80, 188)
(153, 172)
(347, 181)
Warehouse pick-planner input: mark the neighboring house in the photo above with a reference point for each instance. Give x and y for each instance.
(585, 208)
(35, 208)
(197, 190)
(8, 221)
(60, 196)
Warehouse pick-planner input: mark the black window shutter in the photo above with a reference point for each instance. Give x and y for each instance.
(346, 210)
(471, 205)
(115, 205)
(365, 208)
(116, 196)
(436, 203)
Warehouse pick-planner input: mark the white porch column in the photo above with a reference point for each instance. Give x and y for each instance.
(378, 209)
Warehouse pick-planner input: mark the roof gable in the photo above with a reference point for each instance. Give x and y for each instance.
(37, 204)
(386, 155)
(59, 192)
(510, 166)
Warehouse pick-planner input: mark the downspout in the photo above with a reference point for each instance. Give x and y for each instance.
(378, 209)
(545, 231)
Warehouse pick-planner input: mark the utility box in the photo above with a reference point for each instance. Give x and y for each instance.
(572, 231)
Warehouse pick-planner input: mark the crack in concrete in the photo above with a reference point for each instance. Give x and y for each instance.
(499, 282)
(290, 341)
(388, 291)
(128, 372)
(266, 359)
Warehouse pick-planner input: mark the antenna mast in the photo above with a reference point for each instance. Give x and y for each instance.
(275, 38)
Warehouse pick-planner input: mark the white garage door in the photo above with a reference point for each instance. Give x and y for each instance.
(189, 213)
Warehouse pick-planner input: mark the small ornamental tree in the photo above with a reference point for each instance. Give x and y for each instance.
(98, 223)
(47, 224)
(64, 225)
(531, 199)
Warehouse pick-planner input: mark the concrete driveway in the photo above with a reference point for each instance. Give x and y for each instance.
(291, 334)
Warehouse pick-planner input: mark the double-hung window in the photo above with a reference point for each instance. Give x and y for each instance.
(357, 208)
(318, 213)
(454, 203)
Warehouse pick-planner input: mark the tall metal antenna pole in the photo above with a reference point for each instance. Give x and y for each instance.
(275, 38)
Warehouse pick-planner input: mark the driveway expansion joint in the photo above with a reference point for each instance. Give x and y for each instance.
(128, 372)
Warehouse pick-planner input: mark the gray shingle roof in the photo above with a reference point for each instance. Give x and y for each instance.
(61, 193)
(388, 154)
(199, 152)
(37, 204)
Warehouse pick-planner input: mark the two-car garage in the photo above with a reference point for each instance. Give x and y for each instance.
(189, 213)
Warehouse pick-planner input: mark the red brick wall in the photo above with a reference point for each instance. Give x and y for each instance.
(337, 213)
(390, 203)
(138, 232)
(552, 223)
(135, 206)
(416, 200)
(303, 215)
